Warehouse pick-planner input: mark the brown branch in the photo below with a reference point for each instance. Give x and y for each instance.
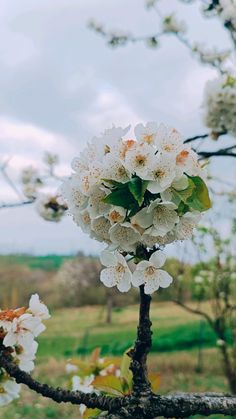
(59, 395)
(219, 153)
(196, 137)
(142, 347)
(16, 204)
(182, 405)
(195, 311)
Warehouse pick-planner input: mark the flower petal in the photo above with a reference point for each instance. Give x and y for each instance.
(164, 278)
(108, 277)
(158, 259)
(137, 278)
(107, 258)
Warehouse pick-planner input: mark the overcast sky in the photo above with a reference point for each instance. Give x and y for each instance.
(61, 84)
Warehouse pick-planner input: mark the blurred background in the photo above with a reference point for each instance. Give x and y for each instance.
(64, 78)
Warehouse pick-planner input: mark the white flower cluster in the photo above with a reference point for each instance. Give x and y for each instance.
(136, 192)
(171, 24)
(148, 273)
(210, 56)
(50, 207)
(225, 9)
(220, 105)
(18, 329)
(31, 182)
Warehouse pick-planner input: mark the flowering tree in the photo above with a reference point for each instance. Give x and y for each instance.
(135, 195)
(219, 97)
(215, 282)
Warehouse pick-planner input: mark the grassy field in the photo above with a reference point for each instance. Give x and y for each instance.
(46, 263)
(75, 332)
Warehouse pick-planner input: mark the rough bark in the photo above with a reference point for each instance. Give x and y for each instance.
(143, 343)
(179, 406)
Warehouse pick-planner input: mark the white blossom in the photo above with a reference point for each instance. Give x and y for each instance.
(9, 390)
(139, 158)
(123, 191)
(117, 272)
(18, 331)
(50, 207)
(37, 308)
(124, 235)
(172, 25)
(146, 133)
(149, 274)
(220, 105)
(187, 223)
(164, 217)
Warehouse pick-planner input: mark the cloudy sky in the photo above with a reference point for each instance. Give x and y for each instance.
(61, 84)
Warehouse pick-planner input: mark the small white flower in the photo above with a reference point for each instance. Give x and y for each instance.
(164, 217)
(114, 169)
(172, 25)
(220, 105)
(168, 140)
(96, 206)
(101, 229)
(116, 214)
(161, 173)
(187, 223)
(83, 219)
(26, 355)
(72, 194)
(124, 235)
(50, 207)
(37, 308)
(117, 272)
(146, 133)
(139, 158)
(70, 368)
(84, 385)
(9, 391)
(149, 274)
(23, 330)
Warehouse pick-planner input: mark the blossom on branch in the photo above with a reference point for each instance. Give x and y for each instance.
(50, 207)
(18, 329)
(136, 193)
(220, 105)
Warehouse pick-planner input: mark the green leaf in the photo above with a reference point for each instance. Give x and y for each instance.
(91, 413)
(182, 208)
(199, 200)
(185, 193)
(109, 384)
(121, 197)
(138, 188)
(124, 367)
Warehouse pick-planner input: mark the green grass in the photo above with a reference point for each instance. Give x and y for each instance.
(46, 263)
(72, 332)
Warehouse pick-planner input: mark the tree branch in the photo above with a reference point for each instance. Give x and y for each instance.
(195, 311)
(16, 204)
(57, 394)
(196, 137)
(182, 405)
(142, 347)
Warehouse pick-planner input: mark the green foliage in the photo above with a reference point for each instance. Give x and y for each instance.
(129, 195)
(199, 199)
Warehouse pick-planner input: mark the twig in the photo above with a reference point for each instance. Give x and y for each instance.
(195, 311)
